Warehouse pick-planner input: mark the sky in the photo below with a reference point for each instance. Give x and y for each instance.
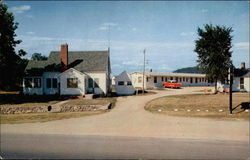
(166, 29)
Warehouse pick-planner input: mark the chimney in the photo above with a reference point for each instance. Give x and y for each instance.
(242, 65)
(64, 57)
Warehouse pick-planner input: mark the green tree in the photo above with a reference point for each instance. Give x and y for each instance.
(38, 56)
(9, 60)
(213, 49)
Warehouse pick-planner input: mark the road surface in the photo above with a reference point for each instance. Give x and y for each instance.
(110, 147)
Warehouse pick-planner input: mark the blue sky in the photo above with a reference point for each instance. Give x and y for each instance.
(167, 29)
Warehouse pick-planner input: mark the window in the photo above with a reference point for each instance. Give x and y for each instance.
(147, 79)
(96, 82)
(28, 82)
(162, 79)
(171, 78)
(90, 83)
(176, 79)
(139, 79)
(191, 80)
(37, 82)
(196, 80)
(54, 83)
(180, 79)
(48, 82)
(129, 83)
(241, 83)
(120, 83)
(72, 82)
(155, 79)
(166, 79)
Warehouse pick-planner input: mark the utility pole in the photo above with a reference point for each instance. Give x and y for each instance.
(143, 71)
(230, 89)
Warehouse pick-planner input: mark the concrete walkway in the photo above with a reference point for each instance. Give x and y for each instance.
(129, 118)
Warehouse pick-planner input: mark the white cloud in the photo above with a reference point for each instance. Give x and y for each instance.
(134, 29)
(30, 33)
(187, 33)
(204, 10)
(242, 45)
(20, 9)
(107, 25)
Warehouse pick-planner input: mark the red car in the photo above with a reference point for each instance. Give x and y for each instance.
(171, 84)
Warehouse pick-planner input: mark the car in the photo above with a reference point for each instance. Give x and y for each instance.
(172, 84)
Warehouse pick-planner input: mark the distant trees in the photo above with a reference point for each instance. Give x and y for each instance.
(38, 56)
(213, 49)
(187, 70)
(11, 64)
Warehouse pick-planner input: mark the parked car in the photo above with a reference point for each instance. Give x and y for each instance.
(172, 84)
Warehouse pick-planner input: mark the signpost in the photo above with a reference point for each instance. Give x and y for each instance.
(230, 89)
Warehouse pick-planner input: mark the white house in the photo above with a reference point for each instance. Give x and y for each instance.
(155, 79)
(123, 84)
(69, 73)
(241, 80)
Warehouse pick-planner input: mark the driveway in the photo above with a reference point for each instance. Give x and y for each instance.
(130, 119)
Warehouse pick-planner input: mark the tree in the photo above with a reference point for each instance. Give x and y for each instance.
(213, 49)
(38, 56)
(9, 60)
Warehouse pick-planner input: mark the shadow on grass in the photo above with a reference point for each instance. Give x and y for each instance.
(244, 106)
(20, 98)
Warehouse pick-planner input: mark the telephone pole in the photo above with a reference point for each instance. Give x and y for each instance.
(144, 51)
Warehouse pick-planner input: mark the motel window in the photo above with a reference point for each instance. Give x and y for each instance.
(155, 79)
(129, 83)
(171, 78)
(120, 83)
(28, 82)
(37, 82)
(180, 79)
(96, 82)
(176, 79)
(147, 79)
(139, 79)
(196, 80)
(90, 83)
(72, 82)
(48, 82)
(191, 80)
(162, 79)
(166, 79)
(54, 83)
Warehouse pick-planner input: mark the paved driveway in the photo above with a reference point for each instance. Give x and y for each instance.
(129, 118)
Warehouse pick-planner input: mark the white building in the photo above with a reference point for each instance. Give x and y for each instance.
(241, 80)
(155, 79)
(69, 73)
(123, 84)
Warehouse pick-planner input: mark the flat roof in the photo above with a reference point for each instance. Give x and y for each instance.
(172, 74)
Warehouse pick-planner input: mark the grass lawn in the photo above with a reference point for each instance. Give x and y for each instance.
(209, 106)
(44, 117)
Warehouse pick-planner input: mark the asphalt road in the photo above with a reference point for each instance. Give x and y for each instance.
(111, 147)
